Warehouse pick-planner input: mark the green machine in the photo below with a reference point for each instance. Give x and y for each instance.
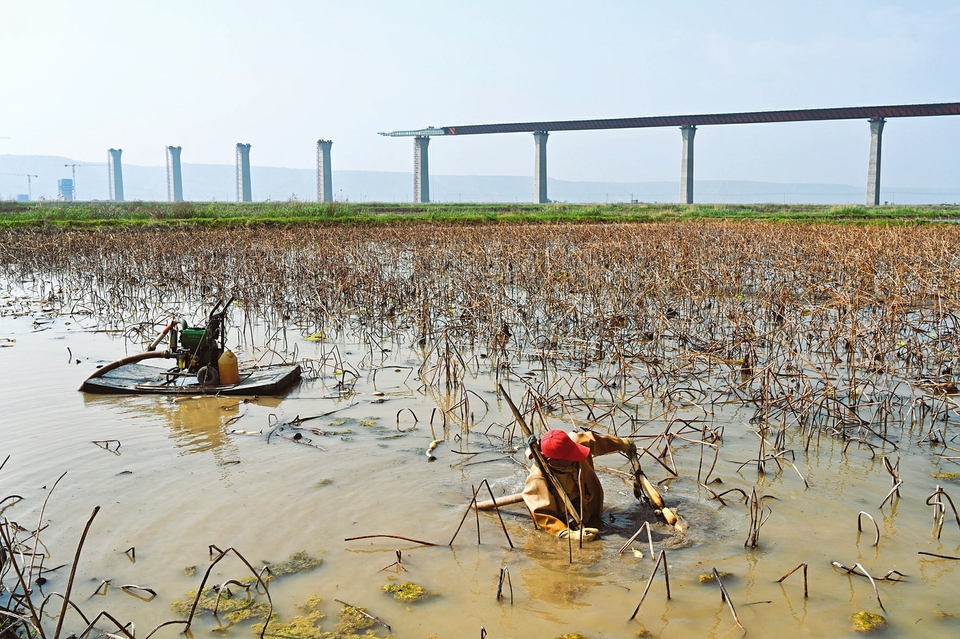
(198, 348)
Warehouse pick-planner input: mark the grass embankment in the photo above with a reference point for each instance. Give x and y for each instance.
(94, 214)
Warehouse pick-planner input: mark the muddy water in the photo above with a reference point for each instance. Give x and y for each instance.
(184, 478)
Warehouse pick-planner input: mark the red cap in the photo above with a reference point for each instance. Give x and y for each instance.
(556, 444)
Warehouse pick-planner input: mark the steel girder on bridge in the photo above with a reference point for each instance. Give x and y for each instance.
(688, 123)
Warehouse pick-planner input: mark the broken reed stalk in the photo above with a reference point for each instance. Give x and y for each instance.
(497, 508)
(103, 613)
(504, 574)
(661, 560)
(364, 613)
(876, 526)
(804, 566)
(206, 576)
(398, 563)
(855, 569)
(931, 554)
(872, 583)
(73, 573)
(22, 579)
(646, 525)
(476, 511)
(133, 589)
(719, 496)
(36, 540)
(724, 596)
(757, 520)
(224, 587)
(940, 509)
(411, 540)
(472, 504)
(893, 491)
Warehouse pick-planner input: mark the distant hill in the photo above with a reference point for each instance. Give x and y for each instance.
(205, 182)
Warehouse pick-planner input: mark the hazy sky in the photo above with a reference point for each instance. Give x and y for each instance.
(79, 77)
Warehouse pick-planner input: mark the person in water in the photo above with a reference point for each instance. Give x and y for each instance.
(570, 457)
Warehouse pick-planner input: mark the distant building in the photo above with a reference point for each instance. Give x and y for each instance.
(65, 189)
(23, 197)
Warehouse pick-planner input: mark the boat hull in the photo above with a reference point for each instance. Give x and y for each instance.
(141, 379)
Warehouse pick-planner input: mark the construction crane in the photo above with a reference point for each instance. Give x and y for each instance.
(29, 177)
(73, 173)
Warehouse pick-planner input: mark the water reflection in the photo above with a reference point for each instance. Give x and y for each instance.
(200, 424)
(197, 424)
(552, 578)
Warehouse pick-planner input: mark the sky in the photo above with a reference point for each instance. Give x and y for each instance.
(81, 77)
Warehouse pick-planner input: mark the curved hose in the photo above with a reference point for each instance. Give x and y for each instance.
(103, 370)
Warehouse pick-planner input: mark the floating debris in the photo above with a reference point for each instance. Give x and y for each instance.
(190, 571)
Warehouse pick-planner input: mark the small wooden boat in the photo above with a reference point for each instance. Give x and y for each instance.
(204, 366)
(136, 378)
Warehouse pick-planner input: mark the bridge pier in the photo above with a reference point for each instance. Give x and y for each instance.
(873, 170)
(324, 172)
(540, 167)
(244, 192)
(421, 169)
(686, 164)
(115, 171)
(174, 177)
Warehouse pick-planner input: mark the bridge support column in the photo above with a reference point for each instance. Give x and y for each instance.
(421, 169)
(540, 167)
(115, 175)
(174, 178)
(686, 164)
(873, 170)
(324, 172)
(244, 192)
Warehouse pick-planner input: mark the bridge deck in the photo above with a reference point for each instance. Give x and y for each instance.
(751, 117)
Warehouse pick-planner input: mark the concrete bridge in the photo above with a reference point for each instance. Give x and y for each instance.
(875, 115)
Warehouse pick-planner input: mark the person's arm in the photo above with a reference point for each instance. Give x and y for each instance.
(602, 444)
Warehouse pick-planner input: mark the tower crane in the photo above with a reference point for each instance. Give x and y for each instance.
(29, 177)
(73, 174)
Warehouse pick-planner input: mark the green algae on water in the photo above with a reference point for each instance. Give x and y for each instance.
(866, 621)
(307, 626)
(407, 591)
(234, 608)
(351, 621)
(953, 476)
(298, 562)
(572, 635)
(707, 577)
(190, 571)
